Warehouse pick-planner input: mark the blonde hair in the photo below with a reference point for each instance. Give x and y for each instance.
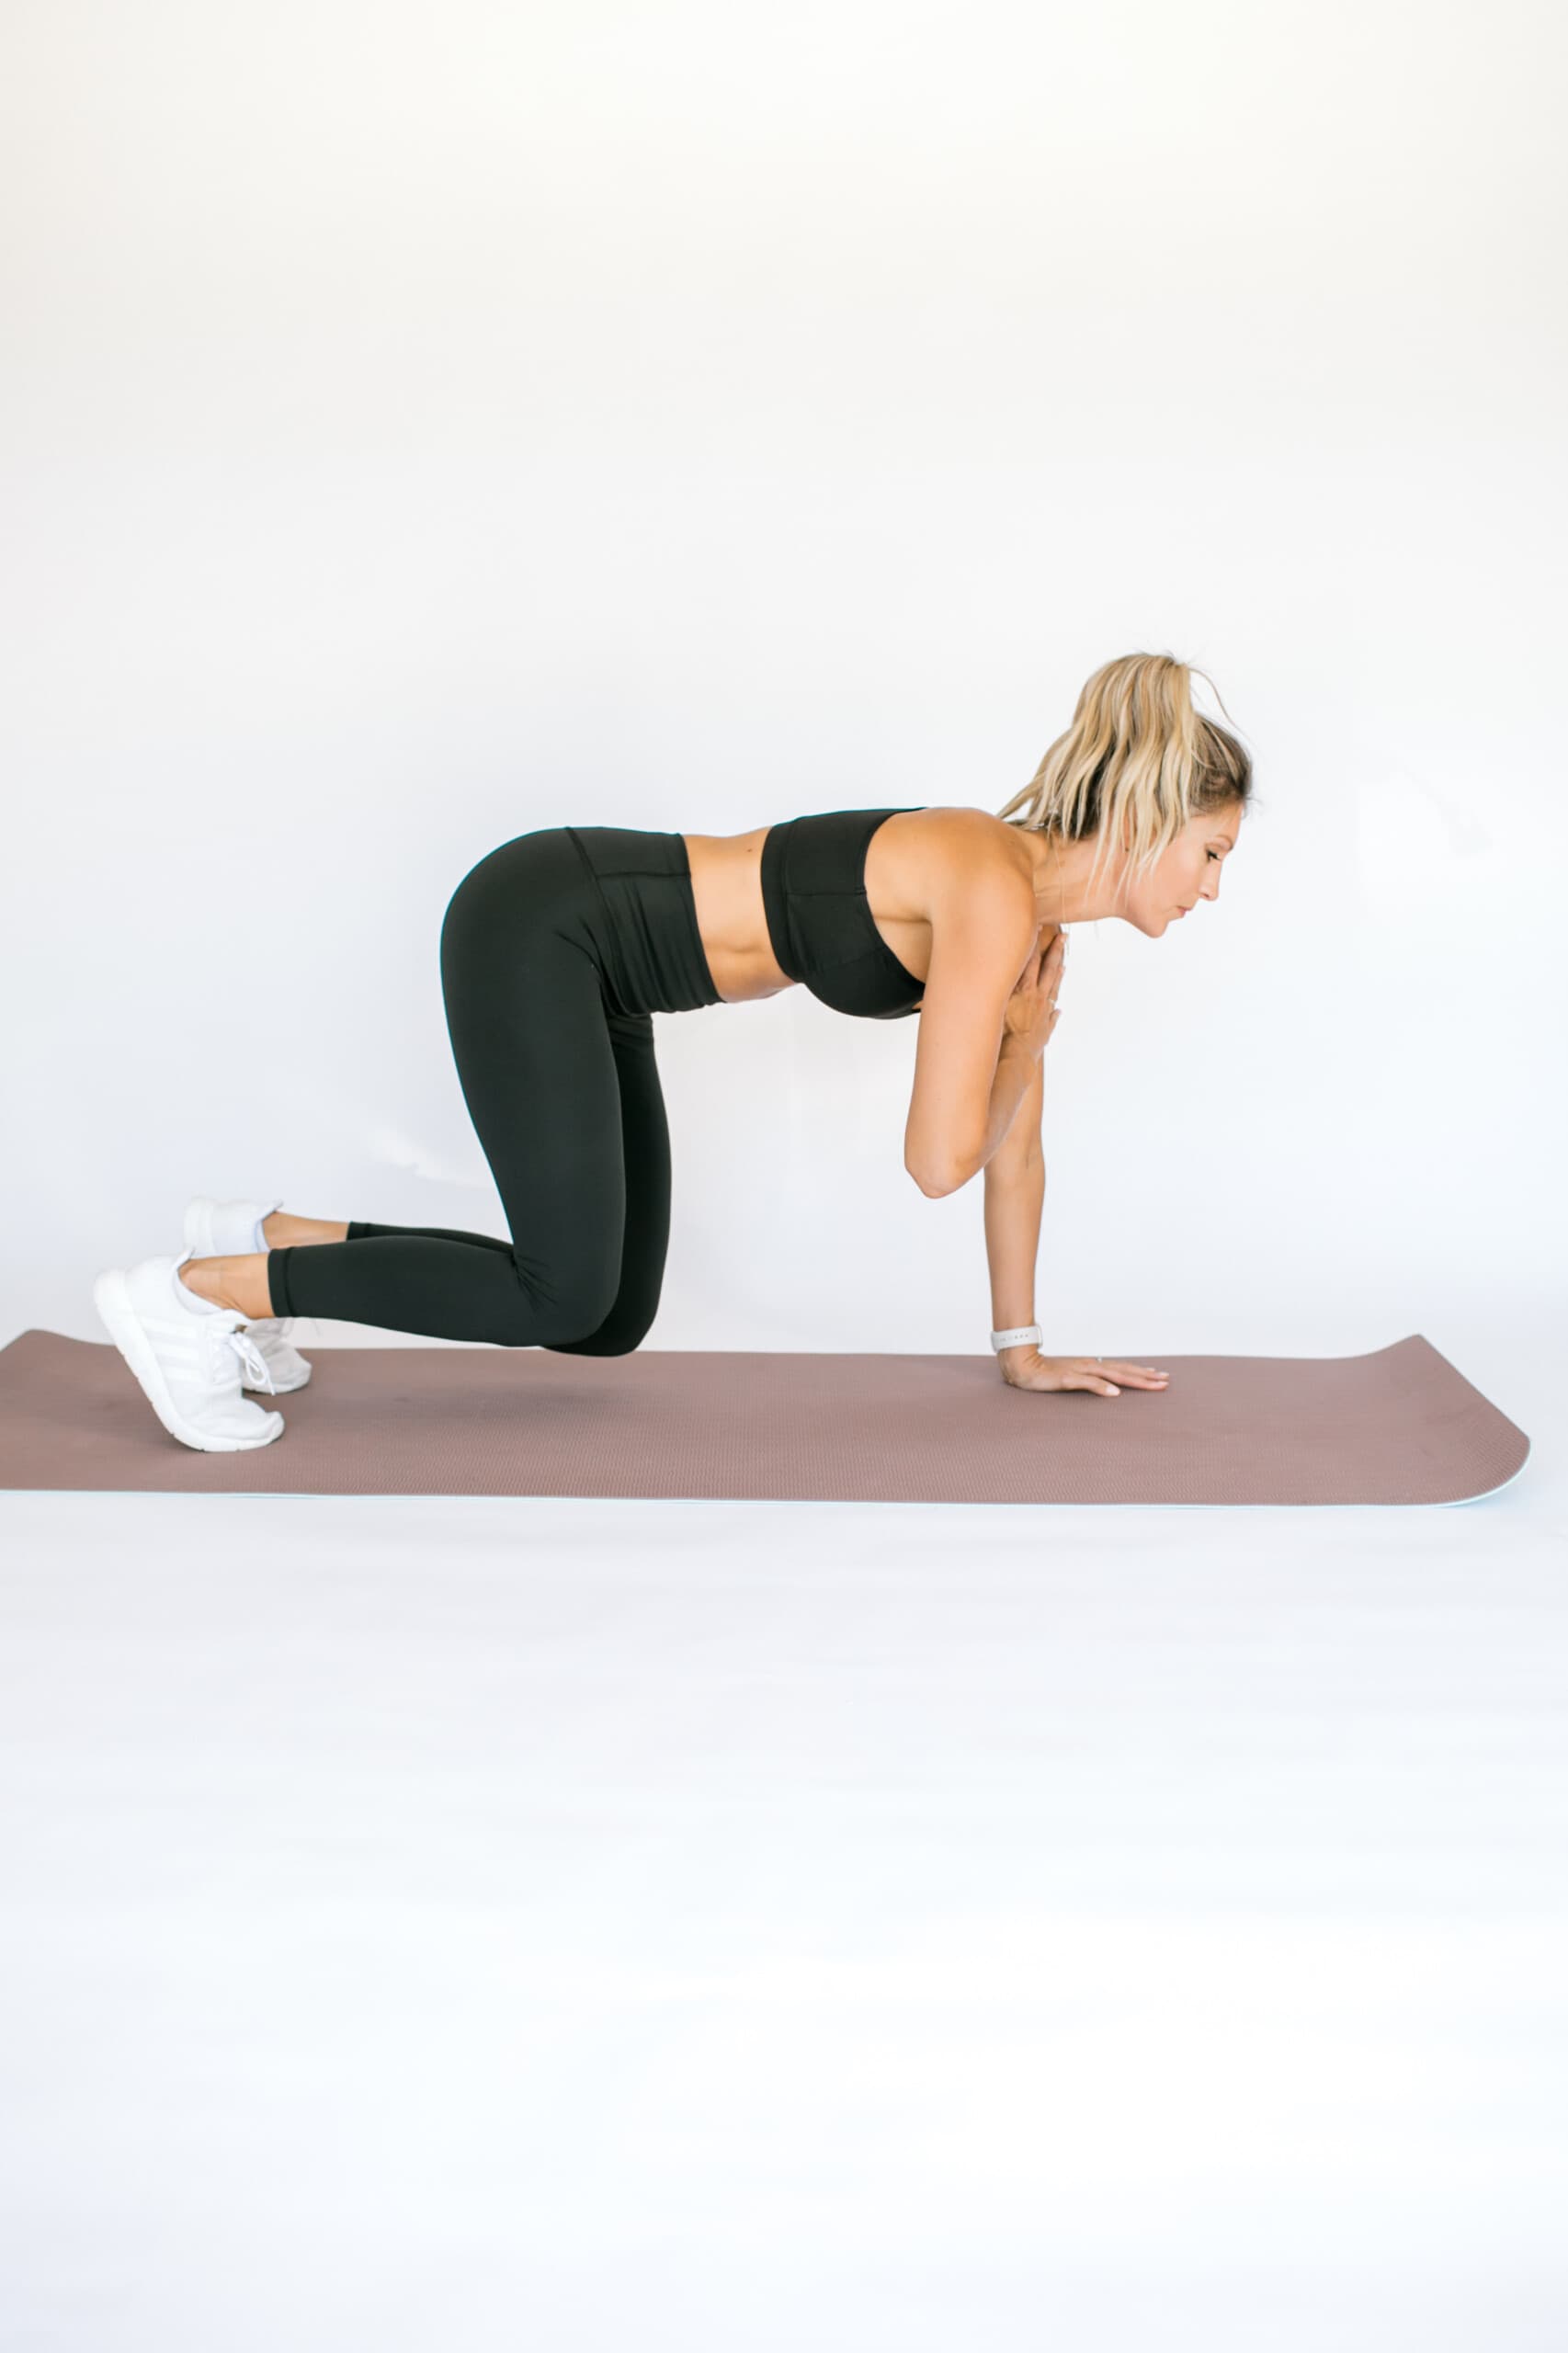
(1137, 765)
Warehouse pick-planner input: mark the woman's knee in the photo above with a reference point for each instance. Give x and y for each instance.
(568, 1306)
(616, 1336)
(624, 1323)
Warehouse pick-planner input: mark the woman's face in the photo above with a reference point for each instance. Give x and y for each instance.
(1185, 872)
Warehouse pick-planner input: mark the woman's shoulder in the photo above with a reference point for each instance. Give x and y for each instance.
(953, 839)
(955, 818)
(924, 863)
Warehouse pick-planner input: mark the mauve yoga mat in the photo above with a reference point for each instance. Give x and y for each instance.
(1401, 1425)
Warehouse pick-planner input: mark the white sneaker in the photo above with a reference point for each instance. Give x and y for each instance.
(187, 1358)
(228, 1230)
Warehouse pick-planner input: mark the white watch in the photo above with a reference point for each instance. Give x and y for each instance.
(1017, 1337)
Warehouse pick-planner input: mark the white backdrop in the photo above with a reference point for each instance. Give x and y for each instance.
(422, 425)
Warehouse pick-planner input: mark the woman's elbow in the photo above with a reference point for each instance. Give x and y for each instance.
(936, 1182)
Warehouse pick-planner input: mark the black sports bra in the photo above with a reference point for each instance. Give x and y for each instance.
(819, 919)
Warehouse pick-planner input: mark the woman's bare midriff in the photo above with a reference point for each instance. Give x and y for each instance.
(726, 884)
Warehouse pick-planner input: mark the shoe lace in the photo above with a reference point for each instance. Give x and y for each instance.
(250, 1356)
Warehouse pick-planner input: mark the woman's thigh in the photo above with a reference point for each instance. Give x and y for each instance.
(539, 1075)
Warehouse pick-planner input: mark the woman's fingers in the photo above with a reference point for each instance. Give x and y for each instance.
(1106, 1373)
(1100, 1379)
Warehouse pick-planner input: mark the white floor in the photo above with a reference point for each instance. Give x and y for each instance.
(751, 1928)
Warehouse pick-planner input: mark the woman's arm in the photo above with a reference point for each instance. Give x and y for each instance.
(1015, 1195)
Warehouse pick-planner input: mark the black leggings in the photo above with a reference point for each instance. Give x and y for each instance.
(555, 952)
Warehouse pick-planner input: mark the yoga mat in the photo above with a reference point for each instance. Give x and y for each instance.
(1401, 1425)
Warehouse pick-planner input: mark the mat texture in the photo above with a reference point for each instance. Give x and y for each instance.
(1401, 1425)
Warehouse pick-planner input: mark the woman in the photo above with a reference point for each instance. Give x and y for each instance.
(558, 947)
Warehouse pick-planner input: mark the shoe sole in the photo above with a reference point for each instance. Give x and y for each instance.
(120, 1320)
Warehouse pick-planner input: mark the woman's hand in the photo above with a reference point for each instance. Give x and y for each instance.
(1029, 1013)
(1027, 1369)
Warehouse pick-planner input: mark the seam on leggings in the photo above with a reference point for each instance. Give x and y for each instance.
(627, 873)
(571, 833)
